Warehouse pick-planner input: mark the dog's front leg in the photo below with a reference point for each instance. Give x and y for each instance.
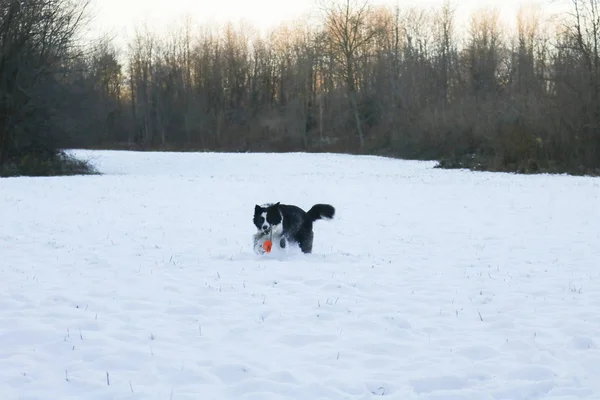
(286, 238)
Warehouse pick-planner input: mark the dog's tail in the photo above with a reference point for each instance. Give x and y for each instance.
(321, 211)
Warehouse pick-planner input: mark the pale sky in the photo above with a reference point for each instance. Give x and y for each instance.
(120, 16)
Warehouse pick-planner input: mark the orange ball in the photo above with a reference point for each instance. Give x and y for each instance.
(267, 246)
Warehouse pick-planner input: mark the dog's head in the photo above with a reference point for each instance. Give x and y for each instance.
(268, 218)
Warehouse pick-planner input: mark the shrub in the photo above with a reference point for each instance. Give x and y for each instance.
(56, 164)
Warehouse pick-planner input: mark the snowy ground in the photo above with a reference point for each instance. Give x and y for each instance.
(429, 284)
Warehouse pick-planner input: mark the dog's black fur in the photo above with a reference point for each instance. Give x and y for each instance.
(289, 223)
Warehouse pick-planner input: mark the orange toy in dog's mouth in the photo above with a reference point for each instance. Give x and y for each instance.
(267, 246)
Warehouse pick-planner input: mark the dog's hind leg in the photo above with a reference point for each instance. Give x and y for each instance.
(306, 242)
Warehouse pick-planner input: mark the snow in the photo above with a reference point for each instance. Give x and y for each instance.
(429, 284)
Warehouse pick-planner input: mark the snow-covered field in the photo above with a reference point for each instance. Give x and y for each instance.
(429, 284)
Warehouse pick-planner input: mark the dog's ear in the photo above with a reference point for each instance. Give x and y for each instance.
(276, 204)
(257, 208)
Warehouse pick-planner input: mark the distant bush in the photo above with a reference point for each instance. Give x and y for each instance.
(56, 164)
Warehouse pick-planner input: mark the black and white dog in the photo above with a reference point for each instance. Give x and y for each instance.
(288, 224)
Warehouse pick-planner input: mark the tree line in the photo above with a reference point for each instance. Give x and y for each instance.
(362, 79)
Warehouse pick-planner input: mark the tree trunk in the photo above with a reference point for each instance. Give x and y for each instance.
(355, 112)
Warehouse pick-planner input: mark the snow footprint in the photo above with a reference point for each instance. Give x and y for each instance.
(231, 374)
(478, 353)
(300, 340)
(583, 343)
(433, 384)
(534, 373)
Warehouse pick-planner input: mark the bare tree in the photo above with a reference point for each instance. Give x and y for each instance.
(444, 37)
(348, 33)
(580, 80)
(141, 68)
(484, 52)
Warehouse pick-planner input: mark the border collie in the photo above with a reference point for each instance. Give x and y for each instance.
(288, 224)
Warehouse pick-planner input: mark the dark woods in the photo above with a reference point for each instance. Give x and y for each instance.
(400, 82)
(37, 39)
